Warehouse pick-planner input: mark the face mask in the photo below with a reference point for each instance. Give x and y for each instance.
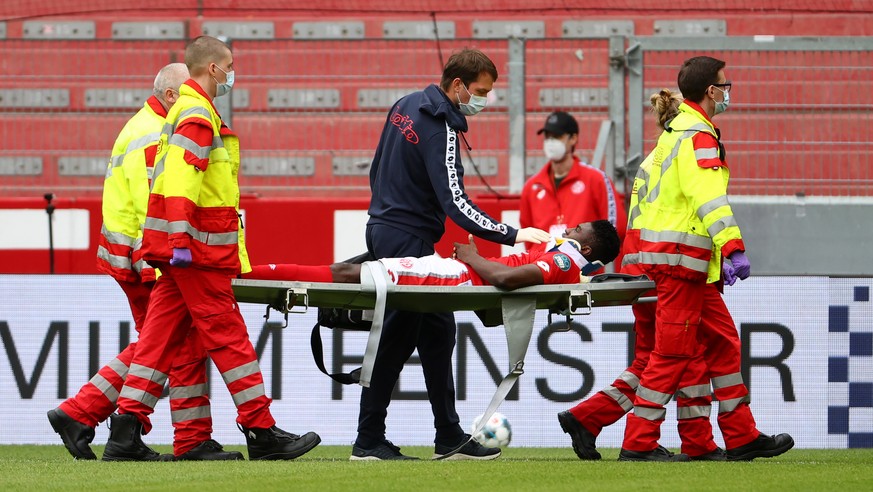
(222, 89)
(475, 106)
(554, 149)
(721, 107)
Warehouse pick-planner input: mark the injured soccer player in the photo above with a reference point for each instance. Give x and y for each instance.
(562, 260)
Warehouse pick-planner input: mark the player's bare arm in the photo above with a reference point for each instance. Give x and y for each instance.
(346, 273)
(497, 274)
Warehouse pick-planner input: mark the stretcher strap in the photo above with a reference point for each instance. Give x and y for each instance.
(518, 321)
(379, 277)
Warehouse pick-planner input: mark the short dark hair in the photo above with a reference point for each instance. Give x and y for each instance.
(605, 243)
(467, 65)
(696, 75)
(202, 51)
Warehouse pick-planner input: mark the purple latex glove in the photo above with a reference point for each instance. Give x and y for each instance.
(727, 273)
(742, 267)
(181, 257)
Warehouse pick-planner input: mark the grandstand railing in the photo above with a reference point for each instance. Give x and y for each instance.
(798, 113)
(309, 111)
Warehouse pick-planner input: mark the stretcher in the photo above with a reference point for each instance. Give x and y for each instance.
(515, 309)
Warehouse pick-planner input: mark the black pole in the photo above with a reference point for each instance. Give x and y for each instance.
(50, 209)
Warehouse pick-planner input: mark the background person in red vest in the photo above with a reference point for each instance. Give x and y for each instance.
(567, 191)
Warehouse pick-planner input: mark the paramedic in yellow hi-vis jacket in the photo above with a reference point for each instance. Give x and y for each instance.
(125, 195)
(193, 234)
(685, 230)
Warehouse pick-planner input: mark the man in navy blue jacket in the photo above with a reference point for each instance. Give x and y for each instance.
(416, 181)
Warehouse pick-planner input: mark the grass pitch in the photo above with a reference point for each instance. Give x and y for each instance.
(326, 468)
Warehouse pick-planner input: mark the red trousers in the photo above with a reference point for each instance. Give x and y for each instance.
(189, 402)
(693, 332)
(182, 299)
(610, 404)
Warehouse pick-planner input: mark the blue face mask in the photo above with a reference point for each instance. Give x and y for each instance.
(721, 106)
(474, 106)
(222, 89)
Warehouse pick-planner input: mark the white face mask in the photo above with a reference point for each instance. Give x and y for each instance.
(721, 106)
(222, 89)
(474, 106)
(554, 149)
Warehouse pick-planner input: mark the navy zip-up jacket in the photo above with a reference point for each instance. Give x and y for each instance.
(416, 178)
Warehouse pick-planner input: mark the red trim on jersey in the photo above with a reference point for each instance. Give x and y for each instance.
(157, 107)
(200, 132)
(194, 85)
(704, 140)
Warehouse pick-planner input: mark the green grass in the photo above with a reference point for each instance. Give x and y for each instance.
(36, 468)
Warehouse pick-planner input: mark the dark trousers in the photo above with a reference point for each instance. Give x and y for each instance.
(434, 337)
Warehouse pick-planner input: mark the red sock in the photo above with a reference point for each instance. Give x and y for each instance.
(290, 271)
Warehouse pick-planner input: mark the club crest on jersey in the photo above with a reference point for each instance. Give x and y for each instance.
(406, 262)
(562, 261)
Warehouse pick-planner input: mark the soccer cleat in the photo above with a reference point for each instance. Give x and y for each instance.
(75, 435)
(125, 441)
(763, 446)
(384, 451)
(658, 454)
(717, 454)
(209, 450)
(277, 444)
(583, 440)
(472, 450)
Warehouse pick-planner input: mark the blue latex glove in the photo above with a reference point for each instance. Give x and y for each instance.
(727, 273)
(181, 257)
(741, 265)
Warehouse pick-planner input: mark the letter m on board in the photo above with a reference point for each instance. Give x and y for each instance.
(57, 330)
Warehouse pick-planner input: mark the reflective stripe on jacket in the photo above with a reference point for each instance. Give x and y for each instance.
(194, 200)
(680, 212)
(125, 195)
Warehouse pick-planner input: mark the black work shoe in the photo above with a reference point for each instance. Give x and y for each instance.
(209, 450)
(385, 450)
(658, 454)
(76, 435)
(472, 450)
(583, 440)
(125, 441)
(762, 447)
(717, 454)
(276, 444)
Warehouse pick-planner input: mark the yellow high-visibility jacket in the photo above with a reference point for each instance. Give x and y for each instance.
(194, 200)
(680, 215)
(126, 193)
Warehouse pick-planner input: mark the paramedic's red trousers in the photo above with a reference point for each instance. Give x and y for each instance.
(192, 420)
(690, 315)
(610, 404)
(194, 298)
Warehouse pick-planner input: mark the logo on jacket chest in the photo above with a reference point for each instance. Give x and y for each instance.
(404, 123)
(578, 188)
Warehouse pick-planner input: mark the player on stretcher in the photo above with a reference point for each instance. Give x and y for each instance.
(564, 260)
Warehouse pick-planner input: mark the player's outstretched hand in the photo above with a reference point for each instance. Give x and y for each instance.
(465, 252)
(532, 235)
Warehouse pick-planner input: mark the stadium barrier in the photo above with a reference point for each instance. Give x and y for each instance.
(807, 357)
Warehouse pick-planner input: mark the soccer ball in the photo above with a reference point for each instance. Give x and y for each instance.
(495, 434)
